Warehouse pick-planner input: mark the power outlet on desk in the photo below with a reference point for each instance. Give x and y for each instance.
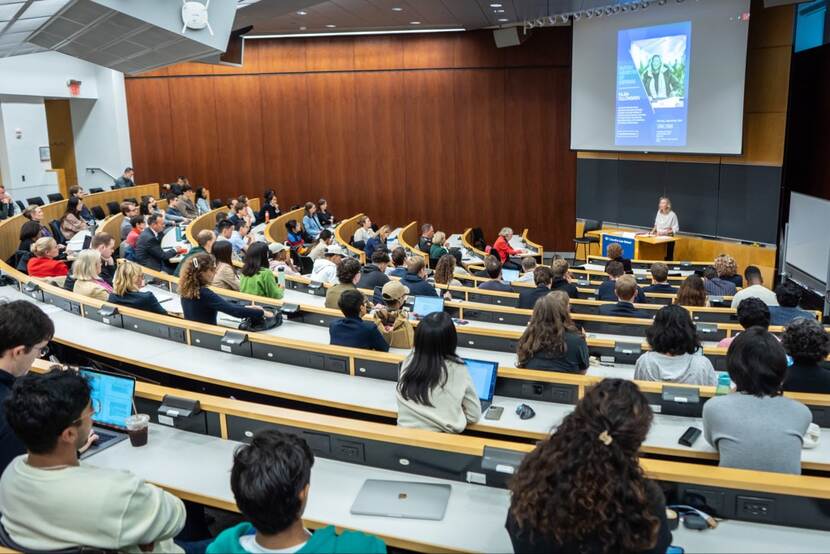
(756, 509)
(349, 451)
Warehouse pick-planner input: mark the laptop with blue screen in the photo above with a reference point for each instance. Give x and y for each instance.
(425, 305)
(509, 275)
(484, 375)
(114, 396)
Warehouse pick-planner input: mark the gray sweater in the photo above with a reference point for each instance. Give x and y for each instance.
(760, 433)
(689, 369)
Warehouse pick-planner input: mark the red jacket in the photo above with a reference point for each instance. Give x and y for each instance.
(46, 267)
(503, 248)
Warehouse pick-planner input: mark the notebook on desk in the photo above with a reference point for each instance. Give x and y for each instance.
(484, 375)
(402, 499)
(425, 305)
(112, 395)
(509, 275)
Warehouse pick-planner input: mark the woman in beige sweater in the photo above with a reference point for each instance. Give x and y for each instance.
(435, 390)
(86, 271)
(226, 276)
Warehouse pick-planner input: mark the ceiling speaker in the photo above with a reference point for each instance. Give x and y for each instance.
(509, 37)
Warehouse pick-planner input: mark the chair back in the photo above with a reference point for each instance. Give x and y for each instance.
(98, 212)
(35, 200)
(95, 190)
(20, 205)
(54, 197)
(306, 264)
(591, 225)
(114, 208)
(55, 227)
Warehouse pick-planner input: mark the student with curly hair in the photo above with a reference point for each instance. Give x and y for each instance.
(583, 490)
(806, 341)
(727, 269)
(201, 304)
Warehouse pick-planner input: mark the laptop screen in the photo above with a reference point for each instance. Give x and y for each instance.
(484, 377)
(509, 275)
(425, 305)
(114, 395)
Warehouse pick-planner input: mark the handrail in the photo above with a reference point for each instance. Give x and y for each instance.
(102, 170)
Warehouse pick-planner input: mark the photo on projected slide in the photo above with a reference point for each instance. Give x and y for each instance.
(653, 85)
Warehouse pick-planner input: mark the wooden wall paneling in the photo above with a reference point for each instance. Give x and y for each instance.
(767, 79)
(763, 140)
(378, 52)
(330, 54)
(542, 49)
(770, 26)
(239, 135)
(193, 113)
(332, 141)
(285, 137)
(151, 130)
(191, 68)
(280, 56)
(429, 50)
(478, 49)
(380, 146)
(430, 120)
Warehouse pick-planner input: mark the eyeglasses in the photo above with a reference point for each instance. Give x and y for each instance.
(44, 351)
(96, 407)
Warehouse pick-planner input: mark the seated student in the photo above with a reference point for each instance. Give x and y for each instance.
(569, 494)
(493, 268)
(280, 257)
(324, 269)
(105, 244)
(25, 332)
(364, 232)
(676, 354)
(71, 221)
(444, 273)
(319, 248)
(542, 276)
(86, 273)
(626, 290)
(224, 230)
(270, 480)
(398, 266)
(129, 210)
(751, 312)
(249, 215)
(756, 427)
(615, 254)
(61, 502)
(294, 237)
(727, 268)
(374, 274)
(201, 304)
(239, 214)
(377, 242)
(504, 251)
(788, 295)
(562, 278)
(324, 216)
(528, 265)
(692, 293)
(311, 224)
(43, 262)
(270, 208)
(7, 204)
(659, 280)
(392, 320)
(754, 288)
(606, 290)
(188, 202)
(348, 273)
(29, 233)
(437, 248)
(240, 238)
(148, 250)
(714, 285)
(552, 340)
(126, 290)
(226, 277)
(35, 213)
(415, 278)
(808, 344)
(137, 225)
(202, 205)
(257, 277)
(425, 240)
(204, 245)
(351, 330)
(435, 389)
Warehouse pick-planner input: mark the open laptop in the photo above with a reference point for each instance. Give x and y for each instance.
(87, 242)
(114, 395)
(402, 499)
(425, 305)
(484, 378)
(509, 275)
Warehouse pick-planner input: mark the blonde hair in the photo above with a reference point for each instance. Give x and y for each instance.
(439, 238)
(505, 231)
(626, 287)
(667, 199)
(193, 277)
(126, 276)
(85, 267)
(385, 230)
(43, 245)
(725, 265)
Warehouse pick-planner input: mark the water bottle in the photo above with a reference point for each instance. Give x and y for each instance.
(724, 384)
(281, 276)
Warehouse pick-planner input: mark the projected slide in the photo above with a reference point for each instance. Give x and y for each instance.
(653, 85)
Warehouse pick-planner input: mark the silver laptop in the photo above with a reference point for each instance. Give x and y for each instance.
(402, 499)
(114, 395)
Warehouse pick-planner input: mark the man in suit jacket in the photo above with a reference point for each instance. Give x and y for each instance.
(626, 290)
(352, 330)
(659, 280)
(492, 266)
(126, 180)
(148, 251)
(607, 290)
(542, 276)
(562, 278)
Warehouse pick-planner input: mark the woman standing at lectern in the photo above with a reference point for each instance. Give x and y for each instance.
(665, 223)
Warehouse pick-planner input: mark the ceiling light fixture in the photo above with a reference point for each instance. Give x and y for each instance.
(330, 26)
(414, 22)
(301, 12)
(503, 20)
(397, 9)
(495, 5)
(353, 33)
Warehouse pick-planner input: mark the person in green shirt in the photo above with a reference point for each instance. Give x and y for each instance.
(437, 249)
(257, 278)
(270, 481)
(205, 239)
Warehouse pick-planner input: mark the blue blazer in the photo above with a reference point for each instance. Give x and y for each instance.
(140, 300)
(312, 226)
(417, 286)
(372, 244)
(606, 292)
(622, 309)
(354, 332)
(205, 308)
(663, 288)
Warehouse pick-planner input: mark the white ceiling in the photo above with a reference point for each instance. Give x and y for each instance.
(17, 21)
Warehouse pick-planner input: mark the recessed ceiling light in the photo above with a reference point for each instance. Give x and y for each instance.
(303, 28)
(414, 22)
(331, 26)
(503, 19)
(301, 12)
(397, 9)
(498, 11)
(495, 5)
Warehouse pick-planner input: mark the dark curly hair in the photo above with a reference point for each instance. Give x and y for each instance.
(347, 269)
(575, 486)
(806, 341)
(673, 332)
(753, 312)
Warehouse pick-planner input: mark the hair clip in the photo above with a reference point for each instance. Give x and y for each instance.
(606, 438)
(195, 262)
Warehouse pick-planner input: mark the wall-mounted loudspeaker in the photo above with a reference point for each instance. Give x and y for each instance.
(511, 36)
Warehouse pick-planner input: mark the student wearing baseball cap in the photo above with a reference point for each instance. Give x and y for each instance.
(392, 320)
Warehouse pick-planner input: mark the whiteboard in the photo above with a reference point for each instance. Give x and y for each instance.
(808, 236)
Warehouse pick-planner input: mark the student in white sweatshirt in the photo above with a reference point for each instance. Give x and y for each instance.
(50, 500)
(435, 390)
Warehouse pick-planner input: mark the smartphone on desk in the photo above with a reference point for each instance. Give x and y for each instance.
(494, 412)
